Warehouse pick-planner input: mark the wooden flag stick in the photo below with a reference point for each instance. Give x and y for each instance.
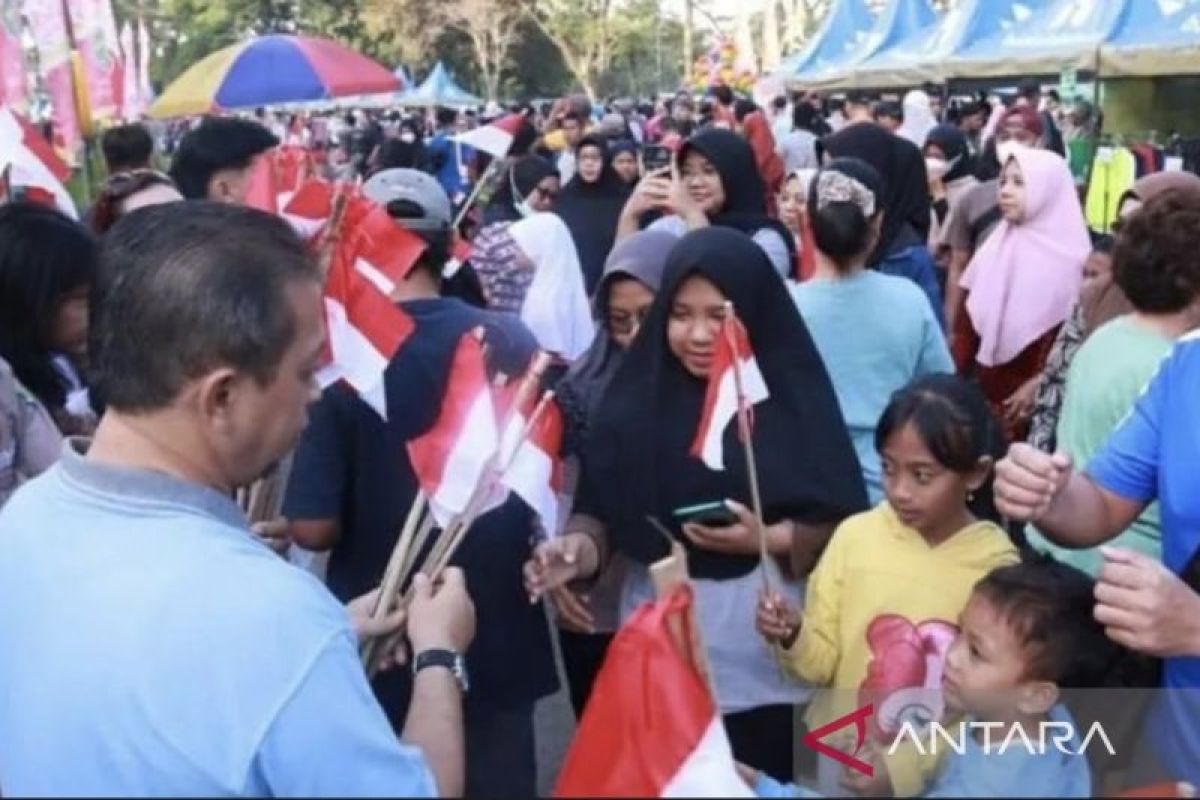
(390, 584)
(418, 544)
(460, 525)
(479, 184)
(746, 434)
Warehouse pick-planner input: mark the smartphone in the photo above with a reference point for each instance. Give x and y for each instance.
(711, 515)
(656, 157)
(1191, 571)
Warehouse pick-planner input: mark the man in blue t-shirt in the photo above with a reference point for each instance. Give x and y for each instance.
(1148, 606)
(351, 486)
(450, 159)
(152, 646)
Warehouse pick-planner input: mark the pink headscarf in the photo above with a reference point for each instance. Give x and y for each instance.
(1026, 278)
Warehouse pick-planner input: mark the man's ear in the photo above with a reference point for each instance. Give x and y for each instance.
(215, 395)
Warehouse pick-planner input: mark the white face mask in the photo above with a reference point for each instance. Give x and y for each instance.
(520, 202)
(408, 137)
(937, 168)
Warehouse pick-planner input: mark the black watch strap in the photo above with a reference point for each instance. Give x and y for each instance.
(444, 658)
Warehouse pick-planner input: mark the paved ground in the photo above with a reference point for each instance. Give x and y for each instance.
(554, 725)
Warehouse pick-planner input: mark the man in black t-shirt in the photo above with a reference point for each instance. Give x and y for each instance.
(352, 484)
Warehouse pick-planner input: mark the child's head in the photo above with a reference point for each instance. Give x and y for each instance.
(1027, 630)
(937, 441)
(1098, 269)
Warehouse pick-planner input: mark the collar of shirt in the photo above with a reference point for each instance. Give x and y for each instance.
(144, 487)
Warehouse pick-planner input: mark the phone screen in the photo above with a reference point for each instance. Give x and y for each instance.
(656, 157)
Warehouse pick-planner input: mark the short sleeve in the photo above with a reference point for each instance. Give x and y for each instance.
(776, 249)
(320, 469)
(331, 739)
(935, 354)
(1127, 464)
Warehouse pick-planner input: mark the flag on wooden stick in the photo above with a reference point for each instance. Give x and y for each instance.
(733, 363)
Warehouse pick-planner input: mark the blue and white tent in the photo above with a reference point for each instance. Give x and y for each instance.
(1064, 34)
(439, 89)
(846, 25)
(900, 21)
(1158, 37)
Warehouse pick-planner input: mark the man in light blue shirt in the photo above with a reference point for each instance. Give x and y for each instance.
(152, 646)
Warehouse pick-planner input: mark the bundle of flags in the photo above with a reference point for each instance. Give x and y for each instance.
(735, 384)
(651, 727)
(368, 255)
(276, 176)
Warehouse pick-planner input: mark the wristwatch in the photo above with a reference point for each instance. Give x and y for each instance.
(444, 658)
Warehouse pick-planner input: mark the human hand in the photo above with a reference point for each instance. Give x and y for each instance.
(441, 617)
(573, 611)
(776, 620)
(557, 562)
(740, 538)
(1019, 405)
(747, 773)
(273, 533)
(1146, 607)
(653, 193)
(878, 784)
(366, 627)
(1028, 480)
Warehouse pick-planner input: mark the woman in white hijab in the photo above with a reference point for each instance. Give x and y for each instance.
(919, 118)
(555, 306)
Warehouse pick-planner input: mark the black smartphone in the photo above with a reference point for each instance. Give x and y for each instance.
(1191, 572)
(656, 157)
(710, 515)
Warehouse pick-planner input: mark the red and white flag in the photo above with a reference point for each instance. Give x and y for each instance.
(733, 363)
(32, 163)
(262, 188)
(365, 330)
(534, 466)
(651, 728)
(494, 138)
(453, 457)
(310, 208)
(384, 252)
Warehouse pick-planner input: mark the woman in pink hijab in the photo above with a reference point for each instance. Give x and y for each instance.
(1023, 282)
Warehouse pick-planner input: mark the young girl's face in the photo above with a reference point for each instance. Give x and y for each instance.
(703, 183)
(925, 494)
(791, 202)
(695, 323)
(629, 302)
(1097, 270)
(1012, 192)
(69, 330)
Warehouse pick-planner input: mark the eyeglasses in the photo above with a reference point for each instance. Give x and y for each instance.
(626, 322)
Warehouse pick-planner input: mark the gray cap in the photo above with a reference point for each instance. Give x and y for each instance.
(418, 188)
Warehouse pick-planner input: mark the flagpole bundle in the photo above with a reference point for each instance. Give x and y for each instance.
(392, 574)
(460, 525)
(475, 191)
(746, 435)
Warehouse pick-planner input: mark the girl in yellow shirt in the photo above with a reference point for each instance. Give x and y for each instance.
(882, 603)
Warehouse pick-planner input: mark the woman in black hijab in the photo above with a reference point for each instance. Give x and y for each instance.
(718, 183)
(637, 464)
(590, 205)
(907, 209)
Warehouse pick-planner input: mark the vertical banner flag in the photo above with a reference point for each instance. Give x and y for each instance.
(95, 32)
(132, 107)
(145, 90)
(49, 29)
(12, 58)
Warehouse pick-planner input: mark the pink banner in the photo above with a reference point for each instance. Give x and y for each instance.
(12, 59)
(132, 107)
(49, 29)
(95, 32)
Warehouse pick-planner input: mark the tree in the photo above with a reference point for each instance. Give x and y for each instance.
(800, 19)
(583, 32)
(770, 47)
(493, 28)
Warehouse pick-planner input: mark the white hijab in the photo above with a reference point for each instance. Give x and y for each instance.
(556, 307)
(918, 118)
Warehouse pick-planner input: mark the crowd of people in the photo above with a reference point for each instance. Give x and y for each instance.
(977, 464)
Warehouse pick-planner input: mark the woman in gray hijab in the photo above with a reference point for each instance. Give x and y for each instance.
(632, 274)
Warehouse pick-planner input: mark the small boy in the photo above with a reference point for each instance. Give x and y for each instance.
(1026, 631)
